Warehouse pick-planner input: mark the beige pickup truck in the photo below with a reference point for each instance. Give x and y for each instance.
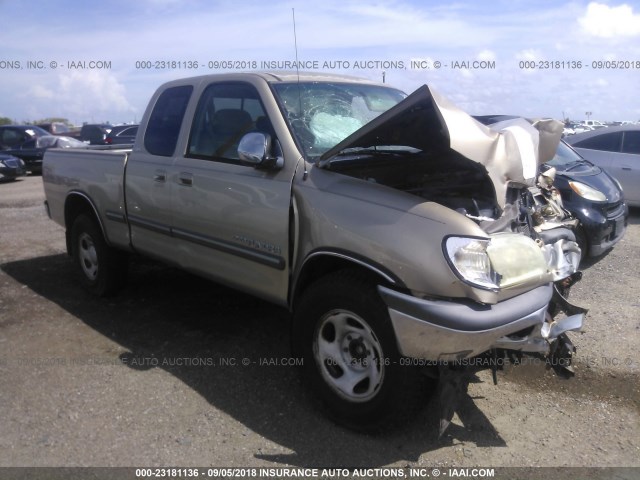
(397, 229)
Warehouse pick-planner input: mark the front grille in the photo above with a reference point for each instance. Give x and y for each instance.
(614, 210)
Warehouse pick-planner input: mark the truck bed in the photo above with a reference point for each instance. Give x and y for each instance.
(95, 173)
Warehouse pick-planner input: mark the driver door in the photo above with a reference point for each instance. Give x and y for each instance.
(230, 220)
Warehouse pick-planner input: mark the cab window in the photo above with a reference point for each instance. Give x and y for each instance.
(225, 113)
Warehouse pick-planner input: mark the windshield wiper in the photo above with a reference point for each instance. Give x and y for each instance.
(360, 153)
(572, 165)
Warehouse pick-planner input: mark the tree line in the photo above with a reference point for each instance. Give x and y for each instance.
(8, 121)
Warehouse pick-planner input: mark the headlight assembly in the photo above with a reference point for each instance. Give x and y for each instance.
(470, 260)
(517, 259)
(587, 192)
(501, 261)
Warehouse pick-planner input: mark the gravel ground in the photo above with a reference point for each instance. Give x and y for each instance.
(148, 378)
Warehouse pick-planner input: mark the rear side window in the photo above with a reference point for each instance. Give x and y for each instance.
(131, 131)
(609, 142)
(164, 124)
(631, 142)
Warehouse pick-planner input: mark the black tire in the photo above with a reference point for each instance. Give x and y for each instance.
(351, 360)
(102, 270)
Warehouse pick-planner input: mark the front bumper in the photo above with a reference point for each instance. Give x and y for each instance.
(7, 173)
(604, 228)
(33, 165)
(439, 330)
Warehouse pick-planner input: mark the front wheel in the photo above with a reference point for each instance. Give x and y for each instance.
(101, 269)
(351, 360)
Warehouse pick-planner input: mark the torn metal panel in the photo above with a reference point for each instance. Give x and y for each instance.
(510, 151)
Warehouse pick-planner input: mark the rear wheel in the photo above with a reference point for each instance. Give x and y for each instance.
(351, 360)
(101, 269)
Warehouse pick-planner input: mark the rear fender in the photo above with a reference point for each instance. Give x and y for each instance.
(77, 203)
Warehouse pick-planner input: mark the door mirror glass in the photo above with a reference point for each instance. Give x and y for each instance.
(255, 148)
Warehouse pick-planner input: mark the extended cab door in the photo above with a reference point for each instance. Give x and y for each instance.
(148, 187)
(230, 220)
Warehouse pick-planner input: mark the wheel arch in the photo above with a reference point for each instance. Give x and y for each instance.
(78, 203)
(323, 262)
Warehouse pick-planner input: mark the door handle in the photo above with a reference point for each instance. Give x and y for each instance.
(626, 168)
(160, 176)
(185, 179)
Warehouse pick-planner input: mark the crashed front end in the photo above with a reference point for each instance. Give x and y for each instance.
(515, 272)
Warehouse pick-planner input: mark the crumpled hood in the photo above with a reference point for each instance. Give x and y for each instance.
(511, 151)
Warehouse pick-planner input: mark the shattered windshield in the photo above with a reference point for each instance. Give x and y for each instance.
(323, 114)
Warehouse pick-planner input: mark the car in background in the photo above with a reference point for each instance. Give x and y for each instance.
(594, 124)
(593, 197)
(581, 128)
(95, 133)
(589, 193)
(616, 150)
(32, 151)
(55, 128)
(12, 136)
(121, 135)
(569, 129)
(11, 168)
(60, 128)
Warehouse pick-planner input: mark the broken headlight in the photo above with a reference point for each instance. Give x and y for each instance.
(501, 261)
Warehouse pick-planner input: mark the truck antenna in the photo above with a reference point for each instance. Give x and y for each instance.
(295, 42)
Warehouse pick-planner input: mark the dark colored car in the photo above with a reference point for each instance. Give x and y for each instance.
(12, 136)
(11, 168)
(121, 135)
(589, 193)
(593, 197)
(15, 138)
(32, 151)
(95, 134)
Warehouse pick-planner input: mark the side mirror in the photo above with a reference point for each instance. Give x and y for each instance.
(254, 149)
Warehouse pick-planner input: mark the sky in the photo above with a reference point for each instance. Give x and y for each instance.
(101, 61)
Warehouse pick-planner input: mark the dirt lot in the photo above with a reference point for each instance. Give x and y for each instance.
(157, 375)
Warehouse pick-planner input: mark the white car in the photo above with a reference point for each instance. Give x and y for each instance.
(594, 124)
(581, 128)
